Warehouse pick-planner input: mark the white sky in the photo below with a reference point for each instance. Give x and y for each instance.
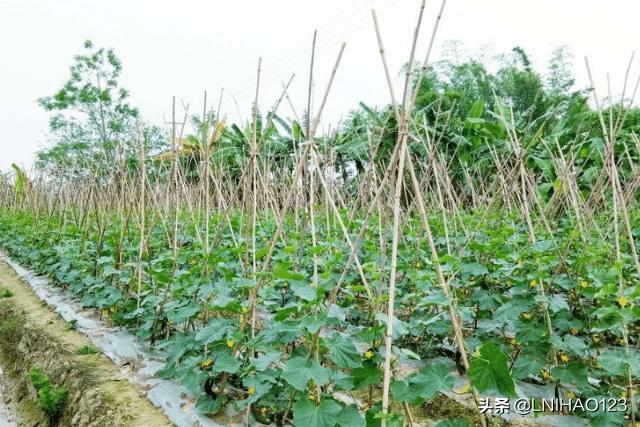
(184, 47)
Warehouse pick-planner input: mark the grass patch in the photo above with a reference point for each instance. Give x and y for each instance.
(72, 324)
(86, 350)
(51, 399)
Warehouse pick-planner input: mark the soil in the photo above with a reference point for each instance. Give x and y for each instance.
(31, 335)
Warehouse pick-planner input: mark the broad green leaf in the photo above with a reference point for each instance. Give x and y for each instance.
(423, 385)
(304, 290)
(207, 405)
(570, 344)
(529, 364)
(225, 362)
(558, 303)
(574, 373)
(474, 269)
(343, 353)
(612, 361)
(365, 376)
(216, 330)
(262, 362)
(298, 372)
(489, 372)
(350, 417)
(308, 414)
(258, 386)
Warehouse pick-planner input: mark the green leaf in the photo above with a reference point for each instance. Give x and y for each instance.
(423, 385)
(343, 352)
(207, 405)
(182, 314)
(110, 270)
(282, 272)
(570, 344)
(489, 372)
(260, 388)
(307, 414)
(298, 371)
(215, 331)
(529, 364)
(612, 361)
(511, 311)
(365, 376)
(262, 362)
(350, 417)
(573, 373)
(476, 109)
(542, 246)
(304, 290)
(474, 269)
(313, 323)
(225, 362)
(558, 303)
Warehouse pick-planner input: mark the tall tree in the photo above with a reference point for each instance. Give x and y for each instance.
(93, 120)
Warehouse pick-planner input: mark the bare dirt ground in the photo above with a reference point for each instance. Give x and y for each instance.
(38, 336)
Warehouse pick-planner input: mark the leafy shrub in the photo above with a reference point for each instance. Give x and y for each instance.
(86, 349)
(72, 324)
(51, 399)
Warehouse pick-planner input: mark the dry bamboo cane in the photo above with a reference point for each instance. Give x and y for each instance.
(610, 156)
(142, 226)
(388, 337)
(289, 197)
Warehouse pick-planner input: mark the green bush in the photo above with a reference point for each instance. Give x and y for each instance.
(51, 399)
(86, 349)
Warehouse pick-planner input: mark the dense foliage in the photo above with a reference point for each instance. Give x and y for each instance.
(307, 349)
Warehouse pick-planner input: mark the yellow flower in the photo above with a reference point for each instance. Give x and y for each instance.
(192, 261)
(418, 265)
(466, 388)
(251, 390)
(230, 343)
(570, 395)
(533, 284)
(564, 358)
(263, 411)
(574, 331)
(584, 284)
(526, 315)
(596, 338)
(545, 374)
(623, 301)
(368, 354)
(206, 363)
(513, 341)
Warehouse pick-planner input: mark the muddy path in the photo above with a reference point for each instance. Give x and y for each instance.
(8, 409)
(31, 334)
